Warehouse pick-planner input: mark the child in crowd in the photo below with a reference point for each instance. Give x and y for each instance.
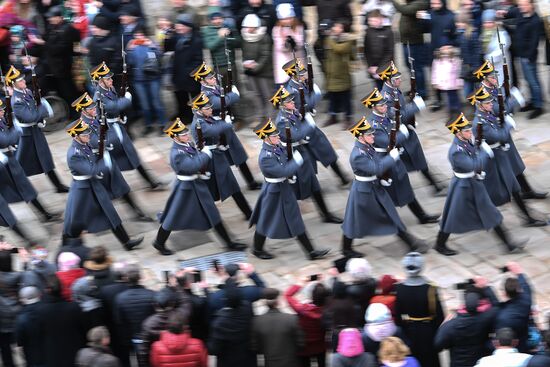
(378, 45)
(446, 69)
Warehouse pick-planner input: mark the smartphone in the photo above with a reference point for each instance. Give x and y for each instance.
(504, 269)
(216, 265)
(166, 274)
(197, 277)
(314, 277)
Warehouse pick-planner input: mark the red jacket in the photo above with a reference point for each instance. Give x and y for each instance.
(309, 318)
(67, 278)
(178, 350)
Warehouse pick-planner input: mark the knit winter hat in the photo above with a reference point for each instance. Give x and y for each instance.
(285, 10)
(358, 268)
(67, 261)
(386, 284)
(377, 313)
(489, 15)
(251, 21)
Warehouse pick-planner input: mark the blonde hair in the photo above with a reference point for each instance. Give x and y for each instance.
(392, 349)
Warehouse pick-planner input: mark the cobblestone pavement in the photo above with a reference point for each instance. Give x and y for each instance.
(480, 252)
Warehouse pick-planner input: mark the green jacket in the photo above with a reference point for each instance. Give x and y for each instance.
(215, 44)
(410, 28)
(338, 55)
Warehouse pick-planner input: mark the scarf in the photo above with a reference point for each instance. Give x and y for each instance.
(254, 37)
(486, 37)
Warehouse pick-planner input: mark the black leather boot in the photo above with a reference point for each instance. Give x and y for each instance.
(147, 177)
(527, 191)
(428, 175)
(347, 249)
(140, 215)
(48, 217)
(122, 236)
(308, 248)
(441, 244)
(338, 170)
(247, 175)
(511, 245)
(241, 202)
(414, 243)
(258, 251)
(530, 221)
(420, 214)
(160, 242)
(52, 175)
(322, 206)
(222, 232)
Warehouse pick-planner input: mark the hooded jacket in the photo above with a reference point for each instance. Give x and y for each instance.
(178, 350)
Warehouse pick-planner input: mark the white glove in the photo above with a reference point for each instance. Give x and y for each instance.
(487, 149)
(481, 176)
(108, 161)
(419, 102)
(235, 90)
(514, 92)
(110, 147)
(386, 183)
(510, 121)
(403, 129)
(206, 150)
(41, 124)
(49, 108)
(394, 153)
(205, 176)
(309, 119)
(316, 89)
(128, 95)
(228, 119)
(297, 157)
(3, 158)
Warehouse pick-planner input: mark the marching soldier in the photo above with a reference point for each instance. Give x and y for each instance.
(113, 180)
(500, 181)
(370, 210)
(123, 152)
(277, 214)
(399, 187)
(413, 154)
(222, 183)
(319, 146)
(306, 184)
(15, 187)
(236, 155)
(468, 206)
(486, 74)
(190, 206)
(89, 206)
(33, 152)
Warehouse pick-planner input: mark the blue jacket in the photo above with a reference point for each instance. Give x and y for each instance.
(529, 32)
(470, 51)
(442, 27)
(137, 57)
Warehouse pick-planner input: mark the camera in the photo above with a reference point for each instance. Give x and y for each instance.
(504, 269)
(314, 277)
(290, 43)
(464, 285)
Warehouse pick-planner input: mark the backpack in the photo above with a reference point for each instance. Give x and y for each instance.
(151, 66)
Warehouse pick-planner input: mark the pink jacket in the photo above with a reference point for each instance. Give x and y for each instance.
(282, 54)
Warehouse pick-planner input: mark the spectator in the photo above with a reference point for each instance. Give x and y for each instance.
(144, 59)
(61, 326)
(296, 5)
(229, 338)
(249, 293)
(129, 20)
(361, 289)
(491, 47)
(386, 293)
(86, 295)
(97, 354)
(393, 352)
(466, 335)
(180, 7)
(277, 335)
(378, 45)
(528, 33)
(446, 69)
(379, 326)
(288, 36)
(340, 313)
(38, 269)
(165, 303)
(27, 333)
(177, 348)
(329, 12)
(309, 318)
(418, 310)
(412, 34)
(69, 271)
(257, 62)
(470, 50)
(103, 45)
(350, 351)
(264, 11)
(505, 354)
(76, 246)
(99, 266)
(339, 52)
(187, 46)
(515, 311)
(544, 359)
(386, 10)
(58, 53)
(131, 308)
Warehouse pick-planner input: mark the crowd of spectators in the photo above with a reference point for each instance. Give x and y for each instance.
(94, 311)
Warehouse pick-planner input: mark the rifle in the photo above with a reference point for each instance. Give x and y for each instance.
(9, 113)
(200, 144)
(501, 107)
(124, 80)
(223, 106)
(506, 74)
(479, 141)
(35, 86)
(309, 70)
(102, 130)
(413, 81)
(393, 133)
(300, 88)
(229, 67)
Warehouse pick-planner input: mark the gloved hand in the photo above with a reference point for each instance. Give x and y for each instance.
(481, 176)
(128, 95)
(41, 124)
(108, 161)
(487, 149)
(228, 119)
(316, 89)
(403, 129)
(394, 153)
(109, 147)
(419, 102)
(309, 119)
(514, 92)
(386, 183)
(297, 157)
(510, 121)
(207, 151)
(3, 158)
(48, 107)
(235, 90)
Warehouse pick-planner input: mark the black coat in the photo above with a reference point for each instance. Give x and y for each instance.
(332, 10)
(266, 12)
(529, 31)
(106, 49)
(63, 332)
(29, 336)
(131, 308)
(187, 56)
(59, 49)
(378, 46)
(361, 293)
